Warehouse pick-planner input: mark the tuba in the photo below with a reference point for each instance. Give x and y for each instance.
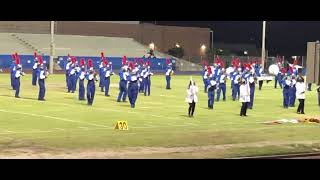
(274, 69)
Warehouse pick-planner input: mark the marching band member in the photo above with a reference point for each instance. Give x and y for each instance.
(107, 74)
(147, 76)
(77, 69)
(123, 74)
(91, 76)
(17, 74)
(300, 93)
(252, 85)
(192, 97)
(205, 77)
(292, 91)
(169, 72)
(102, 67)
(72, 76)
(82, 76)
(259, 72)
(133, 86)
(222, 78)
(236, 84)
(244, 96)
(67, 67)
(280, 75)
(42, 75)
(12, 70)
(35, 68)
(286, 81)
(212, 85)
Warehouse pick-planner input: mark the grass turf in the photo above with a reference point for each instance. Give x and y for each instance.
(62, 123)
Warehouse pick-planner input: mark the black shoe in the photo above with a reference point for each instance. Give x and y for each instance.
(108, 95)
(118, 101)
(302, 113)
(245, 115)
(41, 99)
(17, 96)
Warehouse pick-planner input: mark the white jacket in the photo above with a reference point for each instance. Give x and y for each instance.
(300, 90)
(244, 93)
(192, 94)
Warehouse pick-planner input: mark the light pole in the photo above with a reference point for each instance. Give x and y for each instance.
(263, 51)
(211, 33)
(51, 48)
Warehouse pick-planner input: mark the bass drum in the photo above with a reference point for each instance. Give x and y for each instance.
(274, 69)
(229, 70)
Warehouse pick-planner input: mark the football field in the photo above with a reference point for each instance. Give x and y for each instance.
(64, 127)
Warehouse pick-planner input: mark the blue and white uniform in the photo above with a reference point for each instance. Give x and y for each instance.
(205, 78)
(35, 68)
(286, 83)
(236, 86)
(101, 75)
(147, 81)
(123, 84)
(42, 75)
(91, 86)
(67, 67)
(133, 87)
(292, 92)
(168, 73)
(12, 74)
(107, 73)
(212, 86)
(222, 78)
(72, 78)
(82, 76)
(17, 74)
(252, 84)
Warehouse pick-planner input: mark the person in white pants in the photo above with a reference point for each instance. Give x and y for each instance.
(300, 94)
(244, 97)
(192, 97)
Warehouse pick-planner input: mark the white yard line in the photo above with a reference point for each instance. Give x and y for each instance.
(52, 117)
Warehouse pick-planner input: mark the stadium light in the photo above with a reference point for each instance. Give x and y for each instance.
(263, 50)
(203, 47)
(151, 46)
(177, 45)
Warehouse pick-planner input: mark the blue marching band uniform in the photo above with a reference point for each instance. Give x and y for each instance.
(212, 85)
(106, 75)
(147, 79)
(123, 74)
(13, 68)
(17, 72)
(35, 68)
(168, 73)
(82, 76)
(133, 86)
(91, 77)
(42, 74)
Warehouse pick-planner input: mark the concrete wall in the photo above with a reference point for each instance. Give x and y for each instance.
(37, 27)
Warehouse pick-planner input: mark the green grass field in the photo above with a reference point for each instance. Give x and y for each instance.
(63, 127)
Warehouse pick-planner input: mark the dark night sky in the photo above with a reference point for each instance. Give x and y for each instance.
(283, 37)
